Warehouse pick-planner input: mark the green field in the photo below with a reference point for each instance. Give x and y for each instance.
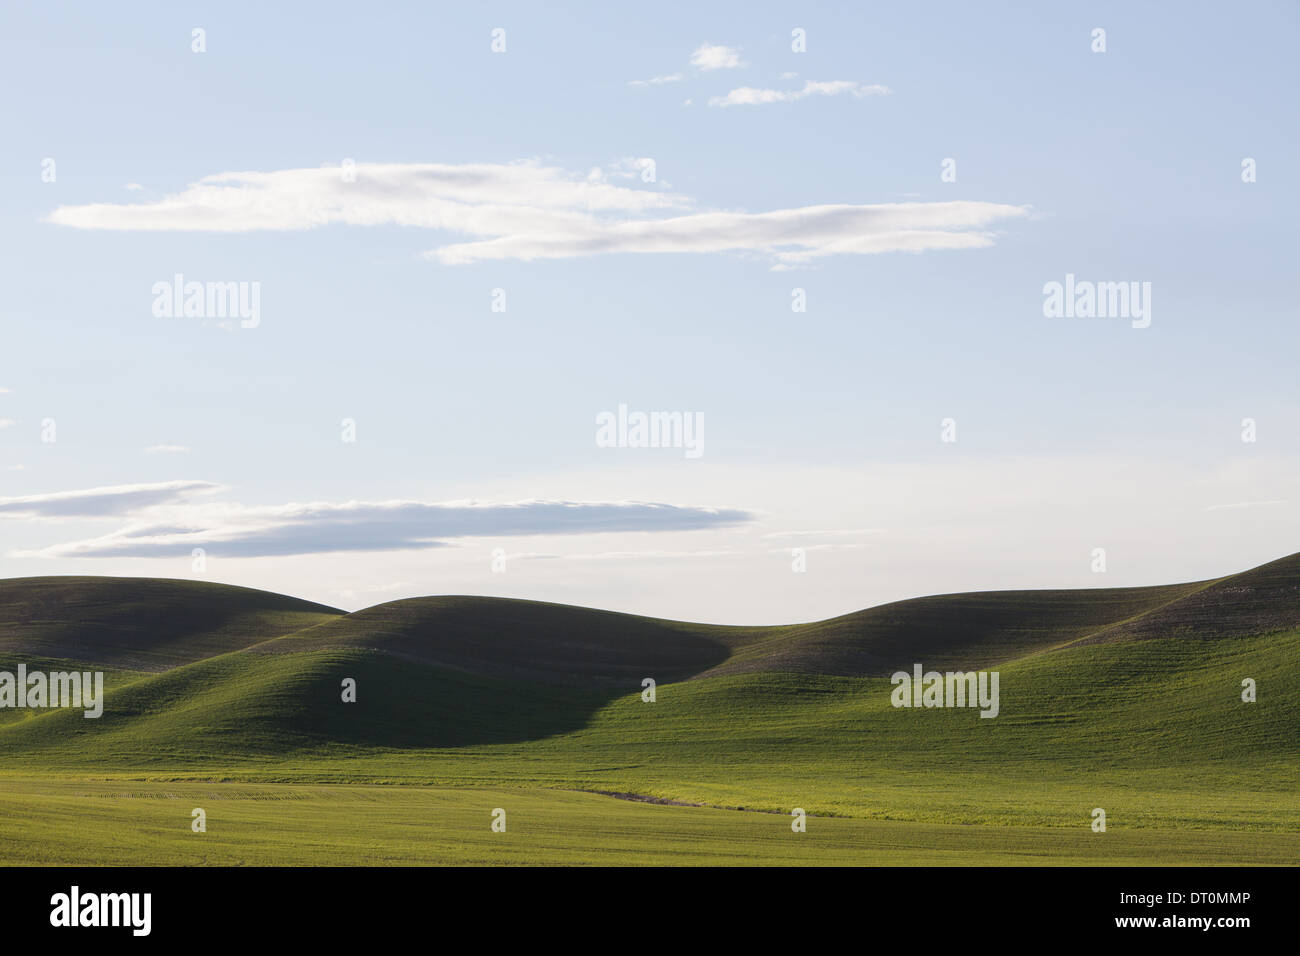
(228, 699)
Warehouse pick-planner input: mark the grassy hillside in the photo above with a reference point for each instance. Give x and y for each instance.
(1128, 699)
(144, 624)
(258, 707)
(949, 630)
(554, 643)
(1148, 722)
(523, 640)
(1264, 600)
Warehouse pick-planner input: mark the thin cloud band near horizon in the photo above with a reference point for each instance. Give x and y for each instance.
(163, 521)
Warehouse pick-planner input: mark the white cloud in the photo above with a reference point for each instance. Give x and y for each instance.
(7, 422)
(3, 390)
(657, 80)
(711, 57)
(528, 211)
(471, 198)
(789, 236)
(753, 96)
(705, 57)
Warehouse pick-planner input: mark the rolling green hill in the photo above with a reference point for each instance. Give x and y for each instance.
(552, 643)
(142, 624)
(1264, 600)
(1129, 699)
(521, 640)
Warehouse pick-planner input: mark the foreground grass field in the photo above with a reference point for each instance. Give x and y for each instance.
(1124, 699)
(106, 823)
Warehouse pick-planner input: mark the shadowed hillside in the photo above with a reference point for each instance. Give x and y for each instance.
(949, 630)
(248, 707)
(553, 643)
(1264, 600)
(524, 640)
(146, 624)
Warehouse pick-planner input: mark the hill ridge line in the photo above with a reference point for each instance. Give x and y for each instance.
(159, 625)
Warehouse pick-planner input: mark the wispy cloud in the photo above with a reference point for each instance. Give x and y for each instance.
(657, 80)
(7, 423)
(753, 96)
(716, 57)
(327, 527)
(787, 236)
(527, 211)
(628, 167)
(475, 198)
(109, 501)
(706, 57)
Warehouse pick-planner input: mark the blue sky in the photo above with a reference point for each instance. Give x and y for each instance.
(821, 428)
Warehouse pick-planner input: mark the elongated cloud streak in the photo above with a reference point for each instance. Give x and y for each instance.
(325, 527)
(529, 211)
(752, 96)
(106, 502)
(789, 236)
